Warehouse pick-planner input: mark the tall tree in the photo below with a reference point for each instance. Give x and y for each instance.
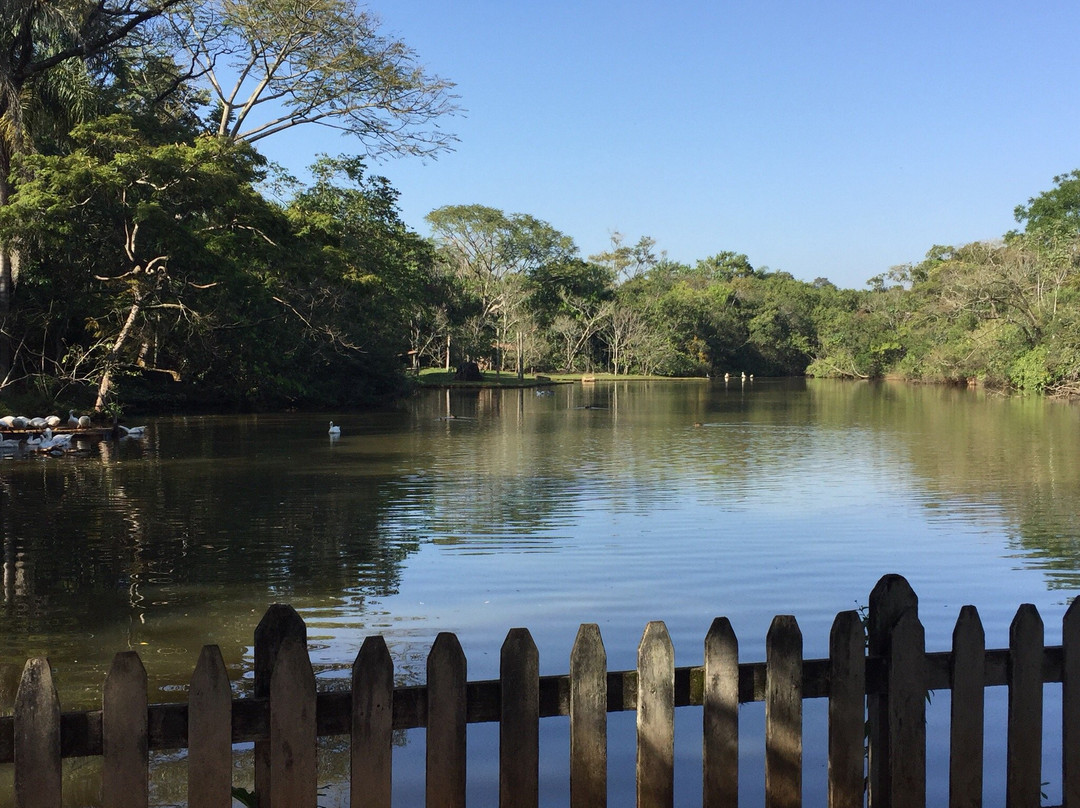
(271, 65)
(41, 44)
(495, 255)
(144, 234)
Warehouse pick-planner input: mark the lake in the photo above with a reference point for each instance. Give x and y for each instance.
(479, 511)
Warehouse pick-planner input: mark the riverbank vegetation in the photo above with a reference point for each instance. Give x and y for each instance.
(151, 258)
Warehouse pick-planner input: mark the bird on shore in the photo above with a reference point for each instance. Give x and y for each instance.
(73, 422)
(334, 430)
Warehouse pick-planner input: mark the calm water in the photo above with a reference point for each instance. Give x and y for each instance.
(614, 504)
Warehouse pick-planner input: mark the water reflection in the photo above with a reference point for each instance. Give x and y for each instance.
(477, 510)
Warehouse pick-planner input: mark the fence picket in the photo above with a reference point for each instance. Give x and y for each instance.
(126, 768)
(210, 733)
(890, 599)
(720, 717)
(967, 679)
(588, 719)
(519, 721)
(446, 719)
(1070, 707)
(293, 737)
(656, 718)
(372, 726)
(907, 713)
(783, 714)
(847, 710)
(38, 765)
(278, 624)
(1023, 786)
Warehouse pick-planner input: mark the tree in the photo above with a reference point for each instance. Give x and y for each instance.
(43, 46)
(271, 65)
(494, 255)
(139, 232)
(1056, 210)
(368, 283)
(625, 261)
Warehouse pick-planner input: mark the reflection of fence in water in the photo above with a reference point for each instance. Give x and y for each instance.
(879, 679)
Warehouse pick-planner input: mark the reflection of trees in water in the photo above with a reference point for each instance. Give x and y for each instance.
(1012, 462)
(163, 556)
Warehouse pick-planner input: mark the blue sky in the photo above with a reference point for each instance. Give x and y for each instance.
(826, 139)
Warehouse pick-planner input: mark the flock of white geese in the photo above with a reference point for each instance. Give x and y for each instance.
(19, 433)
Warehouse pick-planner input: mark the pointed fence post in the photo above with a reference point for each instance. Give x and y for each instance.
(1070, 707)
(210, 733)
(1023, 786)
(656, 718)
(446, 716)
(968, 681)
(907, 713)
(847, 710)
(372, 726)
(280, 622)
(293, 732)
(890, 599)
(588, 719)
(38, 766)
(124, 735)
(720, 717)
(519, 721)
(783, 714)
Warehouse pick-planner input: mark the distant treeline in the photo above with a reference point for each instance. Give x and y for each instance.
(150, 256)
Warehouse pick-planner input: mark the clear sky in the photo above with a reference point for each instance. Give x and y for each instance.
(826, 139)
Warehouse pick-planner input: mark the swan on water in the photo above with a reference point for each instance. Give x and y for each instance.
(334, 430)
(131, 431)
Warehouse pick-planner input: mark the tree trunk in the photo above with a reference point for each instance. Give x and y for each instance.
(7, 269)
(114, 354)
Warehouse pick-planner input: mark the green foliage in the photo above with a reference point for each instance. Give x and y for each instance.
(1030, 371)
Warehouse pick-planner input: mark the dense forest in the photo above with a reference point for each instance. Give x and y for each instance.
(151, 258)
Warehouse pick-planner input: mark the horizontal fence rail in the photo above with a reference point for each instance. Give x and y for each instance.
(875, 678)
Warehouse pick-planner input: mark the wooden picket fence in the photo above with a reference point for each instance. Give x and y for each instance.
(875, 679)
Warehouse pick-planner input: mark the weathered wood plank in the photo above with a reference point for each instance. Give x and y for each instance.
(656, 718)
(38, 765)
(968, 672)
(588, 719)
(1022, 789)
(371, 758)
(783, 714)
(210, 733)
(125, 770)
(446, 706)
(292, 728)
(847, 711)
(519, 725)
(280, 622)
(891, 598)
(1070, 706)
(720, 717)
(907, 714)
